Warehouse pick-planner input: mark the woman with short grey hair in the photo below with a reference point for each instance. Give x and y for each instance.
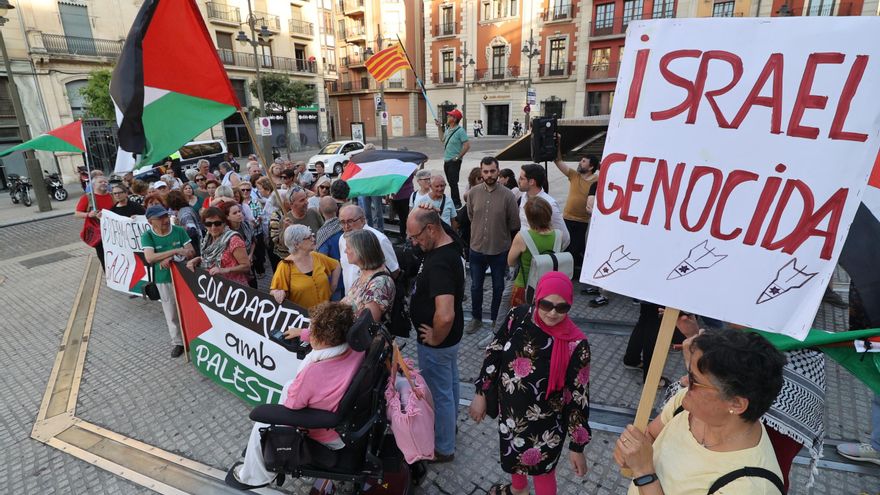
(305, 277)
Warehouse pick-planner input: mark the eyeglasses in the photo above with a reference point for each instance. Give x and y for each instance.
(213, 224)
(246, 190)
(350, 222)
(693, 383)
(411, 237)
(323, 187)
(424, 178)
(561, 308)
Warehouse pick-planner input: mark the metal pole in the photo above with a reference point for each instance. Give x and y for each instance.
(31, 162)
(383, 107)
(265, 141)
(464, 66)
(528, 123)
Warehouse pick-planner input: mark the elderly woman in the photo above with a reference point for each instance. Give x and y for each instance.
(229, 175)
(322, 188)
(538, 367)
(305, 277)
(711, 428)
(223, 249)
(325, 375)
(422, 188)
(186, 217)
(139, 189)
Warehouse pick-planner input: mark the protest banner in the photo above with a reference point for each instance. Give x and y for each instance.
(226, 330)
(125, 270)
(737, 153)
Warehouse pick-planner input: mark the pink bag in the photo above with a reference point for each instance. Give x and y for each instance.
(410, 413)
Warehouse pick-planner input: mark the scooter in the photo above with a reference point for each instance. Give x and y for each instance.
(18, 189)
(55, 185)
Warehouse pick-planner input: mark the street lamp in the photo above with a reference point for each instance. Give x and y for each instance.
(381, 107)
(531, 50)
(254, 40)
(465, 59)
(31, 162)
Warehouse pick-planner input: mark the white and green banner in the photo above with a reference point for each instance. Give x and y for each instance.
(125, 270)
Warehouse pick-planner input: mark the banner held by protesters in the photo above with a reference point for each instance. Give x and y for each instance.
(732, 174)
(228, 332)
(125, 269)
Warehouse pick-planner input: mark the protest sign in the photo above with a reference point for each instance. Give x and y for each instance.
(227, 328)
(737, 153)
(125, 270)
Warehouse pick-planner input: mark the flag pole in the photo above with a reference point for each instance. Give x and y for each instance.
(263, 161)
(418, 80)
(91, 193)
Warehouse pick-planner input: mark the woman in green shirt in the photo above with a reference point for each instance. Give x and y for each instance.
(538, 215)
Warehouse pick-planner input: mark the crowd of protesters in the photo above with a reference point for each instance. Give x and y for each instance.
(320, 247)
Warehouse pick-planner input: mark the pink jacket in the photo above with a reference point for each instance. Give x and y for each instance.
(321, 385)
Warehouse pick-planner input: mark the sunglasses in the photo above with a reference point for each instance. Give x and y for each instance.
(200, 179)
(561, 308)
(213, 224)
(246, 190)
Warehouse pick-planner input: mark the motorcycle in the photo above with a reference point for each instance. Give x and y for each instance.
(517, 130)
(18, 189)
(55, 186)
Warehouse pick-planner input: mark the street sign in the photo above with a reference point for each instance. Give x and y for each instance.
(378, 102)
(383, 116)
(263, 126)
(531, 96)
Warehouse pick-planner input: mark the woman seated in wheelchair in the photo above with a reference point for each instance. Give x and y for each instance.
(322, 380)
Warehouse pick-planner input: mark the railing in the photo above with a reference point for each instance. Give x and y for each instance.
(617, 25)
(304, 28)
(74, 45)
(443, 78)
(558, 12)
(353, 60)
(445, 29)
(272, 22)
(329, 68)
(348, 86)
(496, 73)
(556, 70)
(603, 71)
(242, 59)
(221, 12)
(356, 32)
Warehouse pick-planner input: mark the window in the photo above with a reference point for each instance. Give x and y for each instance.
(224, 47)
(821, 7)
(299, 54)
(447, 70)
(553, 107)
(632, 10)
(498, 62)
(557, 57)
(391, 23)
(329, 60)
(77, 28)
(604, 16)
(559, 9)
(75, 98)
(296, 12)
(499, 9)
(664, 9)
(266, 53)
(447, 21)
(396, 80)
(599, 102)
(600, 62)
(722, 9)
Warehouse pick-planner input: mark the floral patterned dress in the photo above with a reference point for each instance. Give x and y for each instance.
(531, 426)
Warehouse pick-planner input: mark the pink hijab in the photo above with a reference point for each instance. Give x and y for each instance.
(563, 333)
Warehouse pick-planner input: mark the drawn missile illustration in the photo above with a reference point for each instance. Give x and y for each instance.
(787, 278)
(699, 257)
(617, 260)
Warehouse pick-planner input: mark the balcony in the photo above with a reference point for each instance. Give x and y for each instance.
(223, 13)
(273, 22)
(247, 60)
(73, 45)
(601, 71)
(356, 32)
(445, 29)
(353, 7)
(558, 12)
(616, 27)
(496, 74)
(329, 68)
(300, 28)
(443, 78)
(556, 70)
(353, 60)
(364, 84)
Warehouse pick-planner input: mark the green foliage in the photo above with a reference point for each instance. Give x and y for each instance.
(96, 94)
(280, 93)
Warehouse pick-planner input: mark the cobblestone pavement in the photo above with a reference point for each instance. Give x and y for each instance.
(132, 387)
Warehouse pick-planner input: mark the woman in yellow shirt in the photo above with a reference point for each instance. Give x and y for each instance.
(712, 428)
(305, 277)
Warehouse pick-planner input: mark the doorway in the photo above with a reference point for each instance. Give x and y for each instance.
(497, 119)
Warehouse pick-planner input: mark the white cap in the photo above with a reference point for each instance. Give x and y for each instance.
(158, 184)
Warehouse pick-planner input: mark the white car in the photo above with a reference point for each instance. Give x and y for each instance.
(334, 154)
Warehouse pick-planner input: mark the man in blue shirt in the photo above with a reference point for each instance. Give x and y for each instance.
(455, 146)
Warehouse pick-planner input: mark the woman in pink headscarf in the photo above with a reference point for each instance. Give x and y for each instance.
(536, 379)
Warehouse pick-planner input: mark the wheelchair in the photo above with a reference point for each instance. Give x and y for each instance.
(370, 459)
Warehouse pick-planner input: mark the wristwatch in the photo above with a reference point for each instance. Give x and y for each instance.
(645, 480)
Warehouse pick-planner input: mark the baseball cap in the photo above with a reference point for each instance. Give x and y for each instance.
(156, 211)
(158, 184)
(455, 113)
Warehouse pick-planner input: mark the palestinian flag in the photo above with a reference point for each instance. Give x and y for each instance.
(859, 254)
(380, 172)
(386, 62)
(169, 84)
(65, 138)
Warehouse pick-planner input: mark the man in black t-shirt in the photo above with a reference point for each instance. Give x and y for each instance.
(435, 310)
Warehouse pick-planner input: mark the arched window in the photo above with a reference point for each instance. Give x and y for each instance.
(75, 98)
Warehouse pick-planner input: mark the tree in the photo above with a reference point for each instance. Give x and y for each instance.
(282, 94)
(96, 94)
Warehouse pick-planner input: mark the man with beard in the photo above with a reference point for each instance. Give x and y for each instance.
(575, 214)
(89, 209)
(494, 215)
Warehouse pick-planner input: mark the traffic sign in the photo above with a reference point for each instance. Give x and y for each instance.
(531, 96)
(383, 116)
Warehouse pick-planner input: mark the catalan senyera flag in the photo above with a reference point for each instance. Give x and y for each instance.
(386, 62)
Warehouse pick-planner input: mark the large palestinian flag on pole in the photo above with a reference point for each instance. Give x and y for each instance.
(65, 138)
(380, 172)
(169, 84)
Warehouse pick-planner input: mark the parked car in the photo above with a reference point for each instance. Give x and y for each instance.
(189, 154)
(334, 154)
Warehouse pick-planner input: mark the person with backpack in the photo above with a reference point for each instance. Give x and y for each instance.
(708, 436)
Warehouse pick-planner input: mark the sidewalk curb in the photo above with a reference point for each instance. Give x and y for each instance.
(36, 218)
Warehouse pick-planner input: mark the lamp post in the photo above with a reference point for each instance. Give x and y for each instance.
(531, 50)
(381, 107)
(465, 59)
(256, 35)
(30, 160)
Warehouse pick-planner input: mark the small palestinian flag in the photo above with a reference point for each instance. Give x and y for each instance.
(169, 84)
(65, 138)
(380, 172)
(384, 64)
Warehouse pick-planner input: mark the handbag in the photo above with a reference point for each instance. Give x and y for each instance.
(150, 291)
(410, 411)
(284, 448)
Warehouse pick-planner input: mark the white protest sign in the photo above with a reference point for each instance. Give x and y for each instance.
(734, 165)
(125, 271)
